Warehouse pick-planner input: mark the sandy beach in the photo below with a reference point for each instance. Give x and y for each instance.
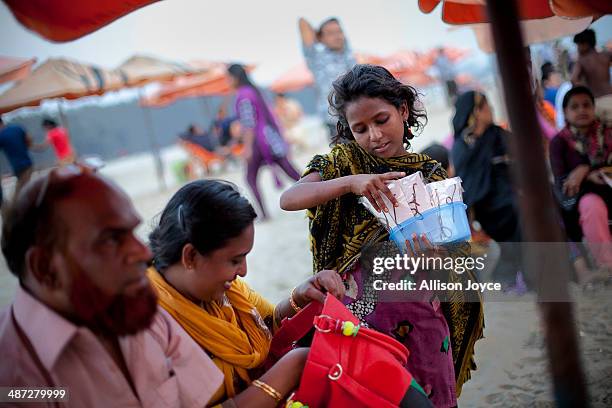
(511, 358)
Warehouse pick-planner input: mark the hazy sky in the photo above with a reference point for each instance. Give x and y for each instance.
(261, 32)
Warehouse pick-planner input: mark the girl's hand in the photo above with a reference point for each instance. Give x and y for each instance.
(422, 246)
(571, 186)
(315, 288)
(374, 186)
(595, 177)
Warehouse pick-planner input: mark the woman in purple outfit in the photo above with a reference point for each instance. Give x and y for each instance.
(264, 144)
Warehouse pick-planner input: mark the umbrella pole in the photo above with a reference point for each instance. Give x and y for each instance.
(150, 130)
(549, 269)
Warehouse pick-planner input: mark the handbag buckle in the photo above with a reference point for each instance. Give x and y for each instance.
(335, 372)
(325, 323)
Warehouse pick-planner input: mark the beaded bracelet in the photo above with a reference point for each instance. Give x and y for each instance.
(294, 305)
(268, 390)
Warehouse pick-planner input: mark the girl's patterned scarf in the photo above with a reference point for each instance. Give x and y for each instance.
(342, 227)
(596, 144)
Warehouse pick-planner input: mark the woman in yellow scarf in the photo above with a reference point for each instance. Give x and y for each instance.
(200, 248)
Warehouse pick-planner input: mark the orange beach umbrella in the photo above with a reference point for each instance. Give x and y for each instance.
(13, 69)
(60, 78)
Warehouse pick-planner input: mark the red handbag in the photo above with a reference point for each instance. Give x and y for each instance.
(348, 365)
(292, 330)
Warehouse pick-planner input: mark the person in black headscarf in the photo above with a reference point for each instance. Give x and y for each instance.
(480, 158)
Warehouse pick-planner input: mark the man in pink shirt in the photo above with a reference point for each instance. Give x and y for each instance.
(58, 138)
(85, 316)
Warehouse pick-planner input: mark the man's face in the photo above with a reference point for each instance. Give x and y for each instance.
(332, 36)
(583, 48)
(101, 262)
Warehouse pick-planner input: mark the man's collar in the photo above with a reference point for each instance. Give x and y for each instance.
(48, 331)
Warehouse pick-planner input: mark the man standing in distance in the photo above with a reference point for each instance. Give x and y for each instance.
(327, 55)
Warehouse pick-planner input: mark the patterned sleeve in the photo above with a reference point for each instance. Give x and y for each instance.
(323, 164)
(246, 113)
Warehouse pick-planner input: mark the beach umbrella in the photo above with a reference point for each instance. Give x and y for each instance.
(13, 69)
(140, 70)
(475, 11)
(59, 78)
(540, 20)
(549, 268)
(295, 79)
(214, 82)
(534, 31)
(66, 20)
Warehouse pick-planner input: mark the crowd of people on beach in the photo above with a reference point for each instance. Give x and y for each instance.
(171, 322)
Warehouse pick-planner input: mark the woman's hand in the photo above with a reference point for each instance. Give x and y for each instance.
(595, 177)
(572, 183)
(315, 288)
(374, 186)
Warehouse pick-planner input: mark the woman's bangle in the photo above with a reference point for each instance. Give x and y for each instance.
(294, 305)
(268, 390)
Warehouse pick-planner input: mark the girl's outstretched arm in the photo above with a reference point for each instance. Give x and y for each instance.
(311, 192)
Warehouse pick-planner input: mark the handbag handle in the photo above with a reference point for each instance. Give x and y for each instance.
(294, 328)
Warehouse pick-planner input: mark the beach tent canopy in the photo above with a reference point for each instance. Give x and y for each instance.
(214, 81)
(13, 69)
(207, 84)
(295, 79)
(140, 70)
(66, 20)
(60, 78)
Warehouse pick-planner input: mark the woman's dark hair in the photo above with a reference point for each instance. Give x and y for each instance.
(47, 122)
(373, 81)
(205, 213)
(239, 73)
(577, 90)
